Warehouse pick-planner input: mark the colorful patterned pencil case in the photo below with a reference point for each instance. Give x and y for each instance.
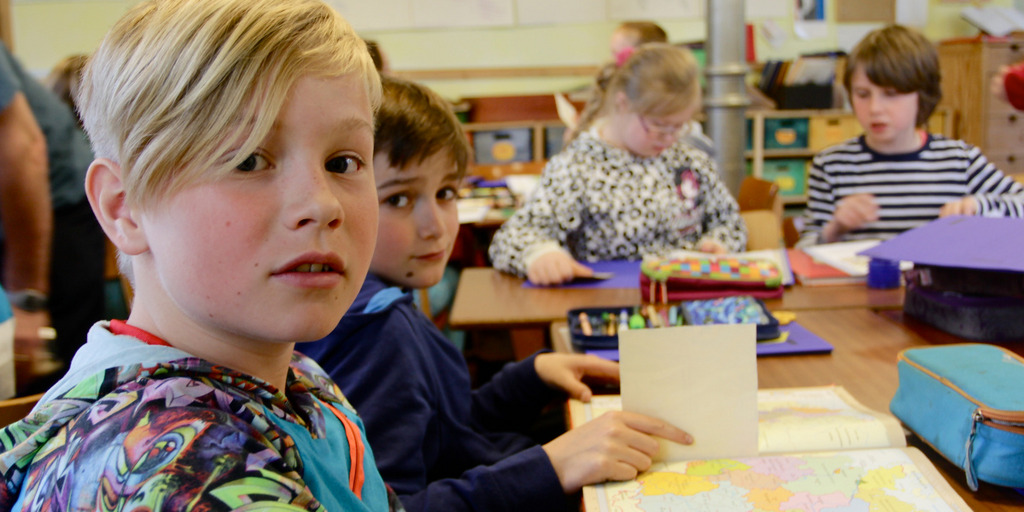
(966, 401)
(708, 277)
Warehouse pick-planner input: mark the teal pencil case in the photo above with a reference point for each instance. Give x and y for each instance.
(966, 401)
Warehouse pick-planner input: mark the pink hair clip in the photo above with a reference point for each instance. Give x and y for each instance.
(623, 55)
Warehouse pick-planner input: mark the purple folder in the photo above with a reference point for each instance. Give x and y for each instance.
(625, 274)
(799, 341)
(982, 243)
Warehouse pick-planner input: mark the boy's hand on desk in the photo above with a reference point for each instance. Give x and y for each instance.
(556, 267)
(614, 446)
(566, 372)
(851, 213)
(964, 206)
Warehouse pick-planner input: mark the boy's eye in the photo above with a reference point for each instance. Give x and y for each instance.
(253, 162)
(397, 200)
(343, 164)
(447, 194)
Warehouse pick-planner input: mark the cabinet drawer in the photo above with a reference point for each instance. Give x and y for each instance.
(1004, 132)
(1003, 54)
(828, 131)
(1010, 162)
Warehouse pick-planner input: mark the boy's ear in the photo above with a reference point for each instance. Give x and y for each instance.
(105, 190)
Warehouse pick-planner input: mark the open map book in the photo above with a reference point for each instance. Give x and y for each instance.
(819, 449)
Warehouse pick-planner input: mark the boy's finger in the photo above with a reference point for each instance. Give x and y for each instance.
(656, 427)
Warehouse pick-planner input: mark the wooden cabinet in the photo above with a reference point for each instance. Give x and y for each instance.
(980, 118)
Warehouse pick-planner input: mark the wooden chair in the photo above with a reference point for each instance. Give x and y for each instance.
(761, 208)
(17, 408)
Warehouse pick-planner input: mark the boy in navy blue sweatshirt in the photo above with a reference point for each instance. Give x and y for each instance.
(439, 444)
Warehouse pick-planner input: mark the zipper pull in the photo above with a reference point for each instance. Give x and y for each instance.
(972, 479)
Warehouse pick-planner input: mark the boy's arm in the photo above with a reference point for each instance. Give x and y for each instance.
(512, 400)
(820, 204)
(522, 481)
(997, 194)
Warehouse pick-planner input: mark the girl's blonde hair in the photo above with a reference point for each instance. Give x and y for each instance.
(182, 91)
(658, 79)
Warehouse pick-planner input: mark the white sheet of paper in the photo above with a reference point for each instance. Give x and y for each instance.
(700, 378)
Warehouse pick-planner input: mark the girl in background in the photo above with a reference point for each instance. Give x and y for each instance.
(628, 184)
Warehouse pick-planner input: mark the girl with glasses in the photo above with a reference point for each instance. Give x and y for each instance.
(629, 184)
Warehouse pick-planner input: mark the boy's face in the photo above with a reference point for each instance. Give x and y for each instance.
(888, 117)
(277, 250)
(418, 220)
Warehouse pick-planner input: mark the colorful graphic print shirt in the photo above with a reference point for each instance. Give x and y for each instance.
(183, 435)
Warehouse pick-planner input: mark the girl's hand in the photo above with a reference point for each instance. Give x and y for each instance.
(566, 372)
(711, 246)
(556, 267)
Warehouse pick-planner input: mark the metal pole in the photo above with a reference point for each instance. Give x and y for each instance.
(726, 101)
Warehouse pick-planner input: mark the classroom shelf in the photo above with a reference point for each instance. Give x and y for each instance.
(526, 145)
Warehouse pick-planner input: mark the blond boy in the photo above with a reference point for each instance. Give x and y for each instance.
(234, 143)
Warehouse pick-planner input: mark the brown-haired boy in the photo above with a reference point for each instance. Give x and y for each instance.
(439, 444)
(896, 176)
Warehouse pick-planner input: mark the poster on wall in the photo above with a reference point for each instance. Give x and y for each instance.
(809, 21)
(654, 9)
(546, 12)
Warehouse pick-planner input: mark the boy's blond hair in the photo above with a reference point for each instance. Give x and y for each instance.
(899, 57)
(182, 91)
(414, 123)
(658, 79)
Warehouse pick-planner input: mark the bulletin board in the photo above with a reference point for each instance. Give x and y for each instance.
(866, 11)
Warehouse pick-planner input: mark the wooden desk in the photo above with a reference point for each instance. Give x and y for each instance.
(489, 299)
(864, 362)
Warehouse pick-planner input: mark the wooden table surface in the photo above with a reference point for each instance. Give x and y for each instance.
(489, 299)
(864, 362)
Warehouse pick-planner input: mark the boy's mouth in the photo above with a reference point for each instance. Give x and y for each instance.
(313, 267)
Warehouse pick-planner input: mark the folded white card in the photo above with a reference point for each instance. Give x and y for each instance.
(702, 379)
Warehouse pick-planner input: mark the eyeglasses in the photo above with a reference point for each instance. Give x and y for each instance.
(671, 130)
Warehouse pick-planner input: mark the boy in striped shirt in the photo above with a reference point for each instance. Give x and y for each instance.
(895, 176)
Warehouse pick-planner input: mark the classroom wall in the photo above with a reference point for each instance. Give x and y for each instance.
(47, 30)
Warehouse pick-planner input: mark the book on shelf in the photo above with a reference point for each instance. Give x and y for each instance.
(817, 447)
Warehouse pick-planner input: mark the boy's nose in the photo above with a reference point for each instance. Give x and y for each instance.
(430, 220)
(313, 201)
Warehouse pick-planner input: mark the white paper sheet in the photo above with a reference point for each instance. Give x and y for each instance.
(702, 379)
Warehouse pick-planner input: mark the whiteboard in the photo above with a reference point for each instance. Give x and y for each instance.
(539, 12)
(462, 13)
(375, 15)
(655, 9)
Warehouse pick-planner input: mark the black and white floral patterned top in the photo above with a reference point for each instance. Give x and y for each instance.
(600, 202)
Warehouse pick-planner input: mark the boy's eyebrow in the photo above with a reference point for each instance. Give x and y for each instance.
(411, 179)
